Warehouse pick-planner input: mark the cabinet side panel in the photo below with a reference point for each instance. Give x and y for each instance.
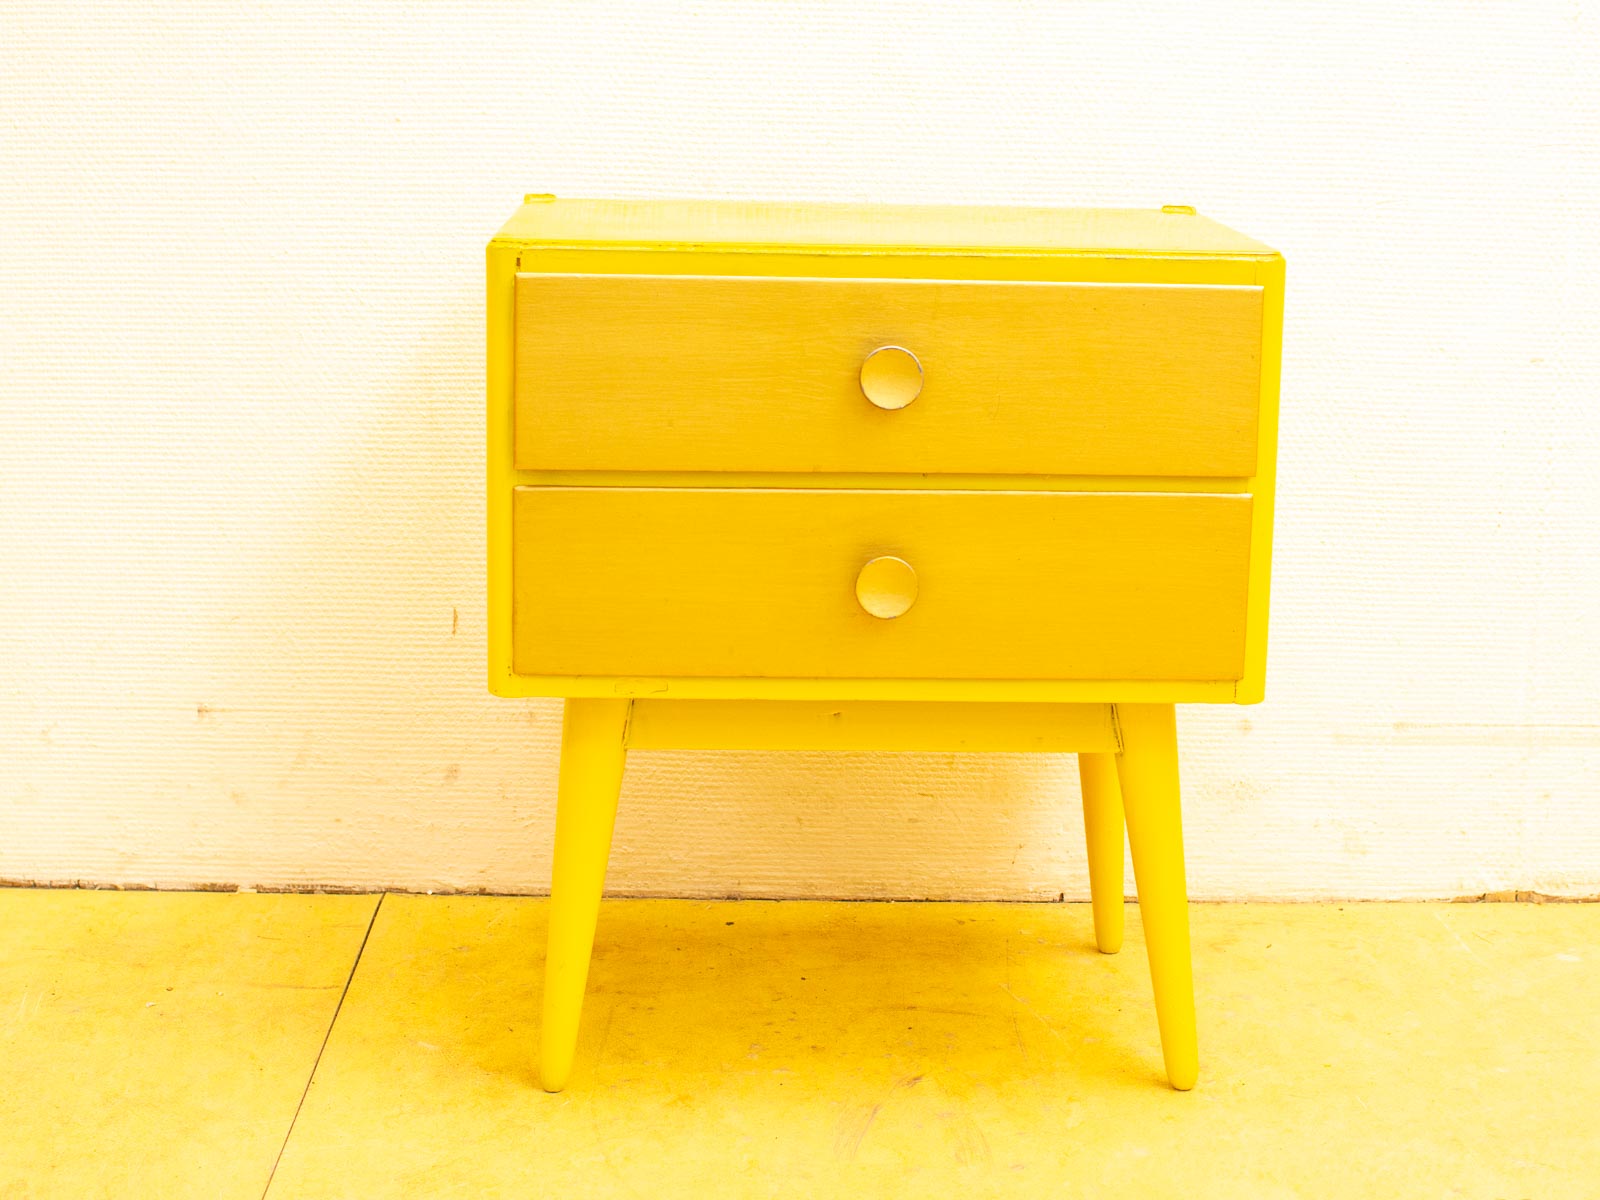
(1252, 686)
(501, 319)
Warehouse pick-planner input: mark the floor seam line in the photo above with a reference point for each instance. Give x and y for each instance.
(326, 1034)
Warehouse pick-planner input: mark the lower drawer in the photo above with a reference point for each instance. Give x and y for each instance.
(711, 582)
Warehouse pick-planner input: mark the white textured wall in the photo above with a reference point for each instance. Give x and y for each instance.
(241, 559)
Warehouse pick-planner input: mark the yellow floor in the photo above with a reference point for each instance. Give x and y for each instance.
(157, 1043)
(160, 1045)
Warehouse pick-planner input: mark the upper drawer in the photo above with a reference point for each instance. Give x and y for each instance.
(728, 373)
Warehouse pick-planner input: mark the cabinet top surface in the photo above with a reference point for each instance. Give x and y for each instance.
(935, 229)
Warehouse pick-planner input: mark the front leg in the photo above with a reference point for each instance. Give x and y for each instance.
(592, 755)
(1148, 768)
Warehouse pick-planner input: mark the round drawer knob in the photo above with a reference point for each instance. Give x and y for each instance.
(891, 377)
(887, 587)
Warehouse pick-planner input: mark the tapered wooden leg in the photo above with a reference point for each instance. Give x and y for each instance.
(1148, 770)
(592, 755)
(1102, 827)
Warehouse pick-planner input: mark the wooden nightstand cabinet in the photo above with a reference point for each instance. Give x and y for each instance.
(848, 477)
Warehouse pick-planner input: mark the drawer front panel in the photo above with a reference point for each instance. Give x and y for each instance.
(712, 373)
(763, 583)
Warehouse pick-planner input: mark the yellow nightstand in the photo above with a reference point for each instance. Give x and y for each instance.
(848, 477)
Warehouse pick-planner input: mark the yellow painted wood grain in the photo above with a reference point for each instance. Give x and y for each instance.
(729, 373)
(577, 222)
(761, 582)
(867, 725)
